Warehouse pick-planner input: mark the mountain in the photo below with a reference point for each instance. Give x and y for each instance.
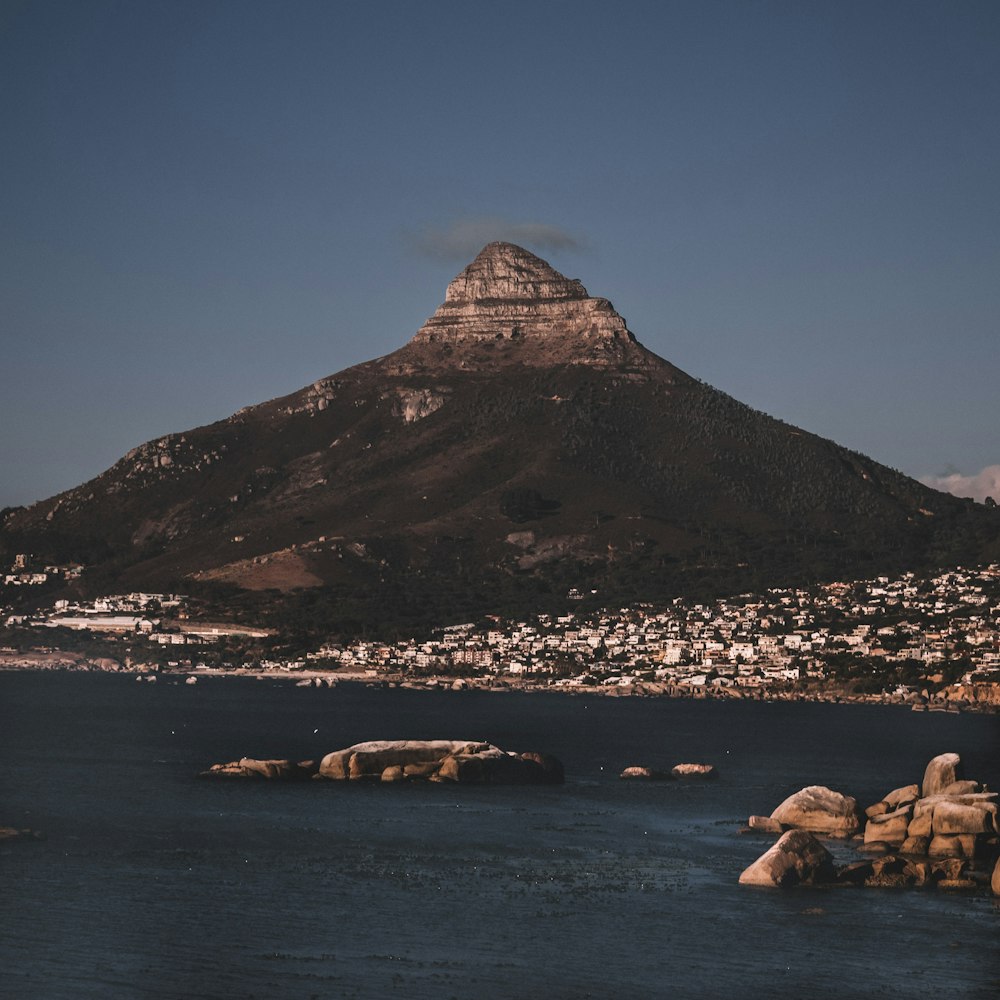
(521, 445)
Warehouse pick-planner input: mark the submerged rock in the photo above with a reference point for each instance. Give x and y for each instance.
(8, 834)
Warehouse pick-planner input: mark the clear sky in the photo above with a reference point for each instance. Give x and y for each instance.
(204, 205)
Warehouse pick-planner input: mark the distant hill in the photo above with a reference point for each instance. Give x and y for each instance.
(520, 445)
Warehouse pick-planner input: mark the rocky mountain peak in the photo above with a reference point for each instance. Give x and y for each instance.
(509, 294)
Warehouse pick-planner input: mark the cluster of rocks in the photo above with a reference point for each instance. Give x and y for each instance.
(946, 816)
(677, 771)
(931, 834)
(461, 761)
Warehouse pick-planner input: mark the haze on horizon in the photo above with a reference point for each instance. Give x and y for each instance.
(205, 206)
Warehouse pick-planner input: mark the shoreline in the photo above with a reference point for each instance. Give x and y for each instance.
(66, 663)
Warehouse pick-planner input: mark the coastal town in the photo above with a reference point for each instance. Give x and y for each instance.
(906, 638)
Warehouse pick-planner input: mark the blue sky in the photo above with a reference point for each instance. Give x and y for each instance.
(206, 205)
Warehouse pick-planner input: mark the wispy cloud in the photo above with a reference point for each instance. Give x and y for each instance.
(979, 486)
(463, 238)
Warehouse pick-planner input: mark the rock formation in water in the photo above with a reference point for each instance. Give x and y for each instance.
(465, 762)
(947, 817)
(820, 810)
(797, 857)
(944, 832)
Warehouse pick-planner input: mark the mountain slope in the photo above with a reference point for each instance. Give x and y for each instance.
(520, 444)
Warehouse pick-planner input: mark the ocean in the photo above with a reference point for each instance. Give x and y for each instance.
(151, 883)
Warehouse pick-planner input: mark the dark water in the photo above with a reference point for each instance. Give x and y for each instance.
(153, 884)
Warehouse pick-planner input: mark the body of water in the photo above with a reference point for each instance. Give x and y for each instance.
(151, 883)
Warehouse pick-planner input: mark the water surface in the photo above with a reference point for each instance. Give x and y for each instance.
(154, 884)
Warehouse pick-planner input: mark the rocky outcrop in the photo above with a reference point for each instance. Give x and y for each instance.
(820, 810)
(392, 761)
(267, 770)
(507, 294)
(938, 839)
(693, 771)
(797, 857)
(638, 771)
(952, 818)
(461, 761)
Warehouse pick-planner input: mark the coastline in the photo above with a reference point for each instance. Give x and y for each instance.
(950, 701)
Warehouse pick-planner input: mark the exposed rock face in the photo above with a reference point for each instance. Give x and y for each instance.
(797, 856)
(509, 294)
(821, 810)
(415, 404)
(941, 772)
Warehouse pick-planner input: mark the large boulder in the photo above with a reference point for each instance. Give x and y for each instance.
(367, 761)
(955, 817)
(915, 845)
(820, 810)
(495, 767)
(942, 771)
(889, 828)
(797, 856)
(954, 845)
(995, 881)
(924, 811)
(902, 796)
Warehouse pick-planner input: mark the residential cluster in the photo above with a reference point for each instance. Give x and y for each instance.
(158, 618)
(745, 641)
(949, 623)
(22, 572)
